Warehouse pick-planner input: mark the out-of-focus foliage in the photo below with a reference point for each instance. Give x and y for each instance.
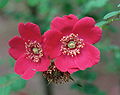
(118, 5)
(85, 83)
(105, 47)
(33, 3)
(10, 83)
(42, 12)
(3, 3)
(92, 4)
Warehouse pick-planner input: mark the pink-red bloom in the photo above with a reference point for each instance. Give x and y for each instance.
(28, 51)
(69, 43)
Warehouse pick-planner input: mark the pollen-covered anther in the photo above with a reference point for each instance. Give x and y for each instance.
(33, 50)
(71, 45)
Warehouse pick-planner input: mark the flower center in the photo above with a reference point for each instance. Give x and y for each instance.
(34, 50)
(71, 45)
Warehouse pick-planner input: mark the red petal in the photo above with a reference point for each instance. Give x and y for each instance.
(87, 30)
(29, 73)
(52, 43)
(72, 70)
(88, 57)
(21, 65)
(66, 63)
(17, 47)
(64, 24)
(98, 34)
(43, 65)
(29, 31)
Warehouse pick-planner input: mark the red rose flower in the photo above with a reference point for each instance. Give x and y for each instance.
(69, 43)
(28, 51)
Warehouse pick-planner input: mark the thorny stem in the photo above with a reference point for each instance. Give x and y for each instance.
(109, 21)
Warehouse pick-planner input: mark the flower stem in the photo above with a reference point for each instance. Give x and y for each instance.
(112, 20)
(48, 88)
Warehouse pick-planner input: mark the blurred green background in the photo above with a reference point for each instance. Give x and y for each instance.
(102, 79)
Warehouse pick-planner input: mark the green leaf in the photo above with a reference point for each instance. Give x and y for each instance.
(5, 90)
(76, 86)
(3, 3)
(111, 14)
(102, 23)
(11, 82)
(86, 75)
(118, 5)
(11, 61)
(3, 80)
(90, 89)
(100, 93)
(18, 84)
(33, 3)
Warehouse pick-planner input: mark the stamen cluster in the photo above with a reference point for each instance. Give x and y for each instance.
(71, 44)
(34, 50)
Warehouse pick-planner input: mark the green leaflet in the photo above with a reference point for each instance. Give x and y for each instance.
(111, 14)
(5, 90)
(118, 5)
(90, 88)
(11, 82)
(102, 23)
(86, 75)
